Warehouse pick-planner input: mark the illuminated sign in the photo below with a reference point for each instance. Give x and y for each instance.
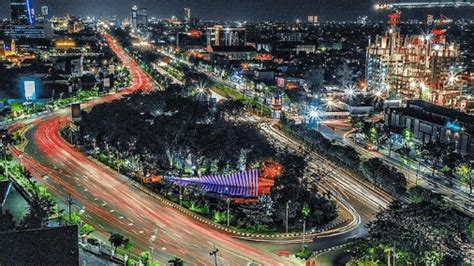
(30, 89)
(65, 44)
(453, 126)
(29, 7)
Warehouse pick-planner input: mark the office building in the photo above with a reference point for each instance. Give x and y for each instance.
(432, 123)
(225, 36)
(21, 12)
(142, 20)
(134, 20)
(45, 11)
(187, 14)
(313, 20)
(139, 20)
(425, 67)
(25, 32)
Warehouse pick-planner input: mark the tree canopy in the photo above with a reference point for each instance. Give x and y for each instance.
(423, 231)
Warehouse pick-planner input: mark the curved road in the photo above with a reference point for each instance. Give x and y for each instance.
(111, 203)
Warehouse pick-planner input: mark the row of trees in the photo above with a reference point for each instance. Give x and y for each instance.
(269, 212)
(439, 156)
(169, 131)
(384, 176)
(373, 170)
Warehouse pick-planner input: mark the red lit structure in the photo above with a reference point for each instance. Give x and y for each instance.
(394, 18)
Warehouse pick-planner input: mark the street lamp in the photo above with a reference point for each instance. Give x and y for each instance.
(228, 212)
(417, 172)
(303, 246)
(286, 220)
(228, 207)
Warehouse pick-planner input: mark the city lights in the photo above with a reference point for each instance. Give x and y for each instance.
(183, 135)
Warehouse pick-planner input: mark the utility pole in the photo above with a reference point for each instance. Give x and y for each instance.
(151, 251)
(303, 246)
(228, 212)
(286, 215)
(214, 253)
(69, 205)
(180, 195)
(394, 252)
(417, 172)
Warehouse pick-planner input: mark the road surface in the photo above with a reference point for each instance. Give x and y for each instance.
(111, 204)
(419, 177)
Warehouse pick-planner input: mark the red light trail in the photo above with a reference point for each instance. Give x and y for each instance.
(112, 204)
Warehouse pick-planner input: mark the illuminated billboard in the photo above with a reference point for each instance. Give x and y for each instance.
(30, 89)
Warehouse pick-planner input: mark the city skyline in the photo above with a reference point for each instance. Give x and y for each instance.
(188, 133)
(228, 10)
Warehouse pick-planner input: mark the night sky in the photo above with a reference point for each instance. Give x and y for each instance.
(213, 9)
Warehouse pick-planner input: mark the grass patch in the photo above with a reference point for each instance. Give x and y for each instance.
(247, 101)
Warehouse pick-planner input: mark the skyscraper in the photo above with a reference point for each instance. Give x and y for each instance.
(187, 14)
(22, 12)
(45, 11)
(135, 17)
(142, 23)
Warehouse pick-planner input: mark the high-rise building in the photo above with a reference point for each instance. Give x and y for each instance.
(139, 19)
(45, 11)
(423, 67)
(23, 21)
(187, 14)
(142, 21)
(134, 20)
(22, 12)
(225, 36)
(313, 19)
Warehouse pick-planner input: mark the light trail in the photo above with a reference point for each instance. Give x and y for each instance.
(99, 190)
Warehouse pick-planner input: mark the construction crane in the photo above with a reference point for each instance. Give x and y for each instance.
(437, 31)
(424, 4)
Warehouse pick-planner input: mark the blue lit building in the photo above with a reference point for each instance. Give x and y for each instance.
(432, 123)
(23, 21)
(24, 31)
(22, 12)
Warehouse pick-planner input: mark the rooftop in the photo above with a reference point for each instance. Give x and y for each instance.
(46, 246)
(437, 114)
(233, 49)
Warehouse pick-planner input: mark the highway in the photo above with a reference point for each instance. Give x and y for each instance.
(112, 203)
(363, 199)
(459, 199)
(360, 200)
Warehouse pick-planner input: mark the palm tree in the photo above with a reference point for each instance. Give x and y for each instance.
(390, 251)
(465, 171)
(145, 257)
(116, 240)
(127, 244)
(176, 262)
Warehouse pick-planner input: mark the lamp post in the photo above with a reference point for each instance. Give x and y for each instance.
(228, 212)
(228, 206)
(417, 172)
(180, 195)
(303, 246)
(286, 215)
